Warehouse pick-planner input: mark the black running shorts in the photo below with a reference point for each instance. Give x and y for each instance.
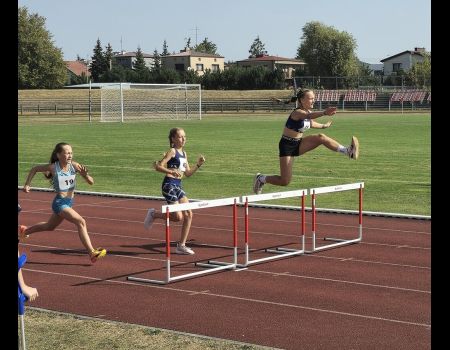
(289, 146)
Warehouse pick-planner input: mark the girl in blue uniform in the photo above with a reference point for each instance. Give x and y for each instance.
(293, 143)
(61, 172)
(175, 165)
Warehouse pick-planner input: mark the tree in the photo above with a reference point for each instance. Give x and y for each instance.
(40, 63)
(141, 69)
(109, 56)
(328, 52)
(165, 50)
(188, 43)
(99, 65)
(257, 48)
(139, 63)
(420, 73)
(206, 47)
(157, 60)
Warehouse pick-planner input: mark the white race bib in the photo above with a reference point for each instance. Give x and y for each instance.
(66, 182)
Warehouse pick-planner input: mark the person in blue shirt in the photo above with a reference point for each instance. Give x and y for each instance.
(175, 165)
(30, 293)
(61, 171)
(293, 144)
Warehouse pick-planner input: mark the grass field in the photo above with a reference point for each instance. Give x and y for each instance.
(48, 330)
(394, 164)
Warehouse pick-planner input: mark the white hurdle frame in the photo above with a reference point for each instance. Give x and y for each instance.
(212, 266)
(329, 189)
(280, 251)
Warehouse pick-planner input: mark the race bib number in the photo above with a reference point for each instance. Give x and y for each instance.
(306, 124)
(66, 182)
(182, 164)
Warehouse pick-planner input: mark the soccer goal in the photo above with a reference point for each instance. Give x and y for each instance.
(122, 102)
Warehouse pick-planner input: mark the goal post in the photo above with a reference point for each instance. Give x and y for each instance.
(121, 102)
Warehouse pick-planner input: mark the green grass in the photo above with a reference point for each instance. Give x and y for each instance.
(394, 164)
(48, 330)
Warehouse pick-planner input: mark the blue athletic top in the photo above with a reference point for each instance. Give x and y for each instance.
(177, 162)
(64, 181)
(298, 125)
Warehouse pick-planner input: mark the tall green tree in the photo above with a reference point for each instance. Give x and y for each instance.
(99, 65)
(157, 60)
(327, 51)
(165, 50)
(140, 68)
(109, 56)
(40, 62)
(206, 47)
(139, 63)
(257, 48)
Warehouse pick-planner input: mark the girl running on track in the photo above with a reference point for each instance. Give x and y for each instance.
(61, 172)
(174, 165)
(293, 143)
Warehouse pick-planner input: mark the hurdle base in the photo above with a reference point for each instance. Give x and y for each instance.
(340, 243)
(281, 253)
(213, 268)
(213, 263)
(137, 279)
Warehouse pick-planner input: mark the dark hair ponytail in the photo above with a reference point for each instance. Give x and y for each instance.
(53, 158)
(172, 133)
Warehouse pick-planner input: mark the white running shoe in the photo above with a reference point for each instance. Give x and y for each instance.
(354, 148)
(182, 249)
(257, 184)
(149, 218)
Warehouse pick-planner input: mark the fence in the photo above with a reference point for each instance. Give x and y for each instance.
(345, 100)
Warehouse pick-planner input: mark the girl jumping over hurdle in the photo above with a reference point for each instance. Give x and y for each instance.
(61, 171)
(175, 165)
(293, 143)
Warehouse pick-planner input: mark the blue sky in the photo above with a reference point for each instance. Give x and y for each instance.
(381, 28)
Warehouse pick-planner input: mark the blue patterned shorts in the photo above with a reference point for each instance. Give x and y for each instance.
(172, 193)
(59, 203)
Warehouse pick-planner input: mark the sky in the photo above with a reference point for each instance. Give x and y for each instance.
(381, 28)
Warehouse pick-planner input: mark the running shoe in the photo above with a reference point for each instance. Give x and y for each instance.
(182, 249)
(148, 222)
(96, 254)
(257, 184)
(354, 148)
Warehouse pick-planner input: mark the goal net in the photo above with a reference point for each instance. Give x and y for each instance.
(122, 102)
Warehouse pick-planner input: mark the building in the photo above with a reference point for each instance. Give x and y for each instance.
(376, 68)
(403, 60)
(193, 60)
(127, 59)
(77, 69)
(287, 65)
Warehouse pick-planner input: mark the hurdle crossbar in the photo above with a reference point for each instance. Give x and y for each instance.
(338, 241)
(280, 252)
(212, 266)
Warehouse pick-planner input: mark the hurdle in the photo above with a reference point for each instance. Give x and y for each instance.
(213, 267)
(280, 252)
(329, 189)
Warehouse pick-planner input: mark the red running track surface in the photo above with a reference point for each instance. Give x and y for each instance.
(374, 294)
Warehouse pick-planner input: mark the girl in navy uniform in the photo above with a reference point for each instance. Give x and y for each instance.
(61, 172)
(293, 143)
(174, 165)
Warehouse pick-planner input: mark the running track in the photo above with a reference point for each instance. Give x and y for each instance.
(371, 295)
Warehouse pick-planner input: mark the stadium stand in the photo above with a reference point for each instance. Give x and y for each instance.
(327, 95)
